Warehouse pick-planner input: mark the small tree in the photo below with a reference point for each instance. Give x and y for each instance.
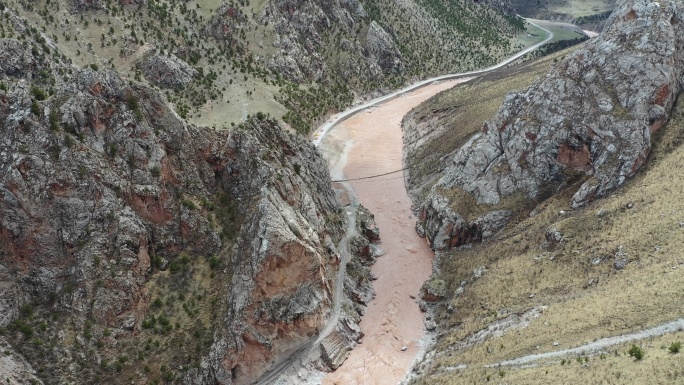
(675, 347)
(636, 352)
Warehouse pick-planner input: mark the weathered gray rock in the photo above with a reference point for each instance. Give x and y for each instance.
(591, 116)
(620, 259)
(299, 36)
(477, 273)
(14, 369)
(229, 20)
(358, 291)
(433, 290)
(167, 71)
(553, 236)
(382, 50)
(102, 186)
(334, 350)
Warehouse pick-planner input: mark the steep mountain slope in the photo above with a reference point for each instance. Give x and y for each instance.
(579, 11)
(308, 58)
(591, 118)
(136, 247)
(557, 268)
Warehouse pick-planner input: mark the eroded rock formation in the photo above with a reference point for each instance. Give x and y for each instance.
(127, 234)
(167, 71)
(592, 116)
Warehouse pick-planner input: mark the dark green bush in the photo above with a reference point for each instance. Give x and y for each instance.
(636, 352)
(675, 347)
(38, 93)
(35, 108)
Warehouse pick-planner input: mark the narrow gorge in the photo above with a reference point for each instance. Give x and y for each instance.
(183, 201)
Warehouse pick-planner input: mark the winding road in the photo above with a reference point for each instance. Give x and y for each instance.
(320, 133)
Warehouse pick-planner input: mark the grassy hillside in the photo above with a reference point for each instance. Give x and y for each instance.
(582, 11)
(615, 271)
(231, 45)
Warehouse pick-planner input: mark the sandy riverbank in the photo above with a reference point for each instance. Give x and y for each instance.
(393, 320)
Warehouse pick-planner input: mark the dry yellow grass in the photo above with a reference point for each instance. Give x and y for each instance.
(583, 296)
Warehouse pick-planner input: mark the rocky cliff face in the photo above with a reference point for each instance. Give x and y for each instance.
(299, 38)
(137, 247)
(358, 41)
(591, 118)
(167, 71)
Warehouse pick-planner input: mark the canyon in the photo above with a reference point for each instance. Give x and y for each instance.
(154, 232)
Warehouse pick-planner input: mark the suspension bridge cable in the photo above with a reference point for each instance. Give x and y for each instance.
(372, 176)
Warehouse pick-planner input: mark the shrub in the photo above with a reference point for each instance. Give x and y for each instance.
(38, 93)
(174, 267)
(158, 261)
(213, 262)
(35, 108)
(94, 67)
(148, 324)
(23, 327)
(133, 105)
(68, 140)
(156, 171)
(112, 150)
(54, 121)
(636, 352)
(675, 347)
(168, 376)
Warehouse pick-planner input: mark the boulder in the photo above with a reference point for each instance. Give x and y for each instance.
(167, 71)
(433, 290)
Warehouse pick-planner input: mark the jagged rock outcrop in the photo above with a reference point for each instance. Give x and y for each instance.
(592, 116)
(167, 71)
(382, 49)
(358, 291)
(299, 29)
(13, 367)
(433, 290)
(308, 36)
(227, 25)
(123, 225)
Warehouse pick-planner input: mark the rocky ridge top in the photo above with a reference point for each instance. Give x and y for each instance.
(130, 239)
(590, 118)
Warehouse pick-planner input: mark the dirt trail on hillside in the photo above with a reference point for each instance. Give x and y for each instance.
(599, 345)
(393, 322)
